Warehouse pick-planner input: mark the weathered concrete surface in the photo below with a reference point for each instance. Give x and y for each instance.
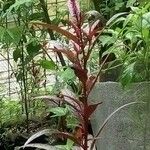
(129, 129)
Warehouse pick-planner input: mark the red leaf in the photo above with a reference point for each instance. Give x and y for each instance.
(89, 83)
(75, 27)
(69, 54)
(59, 47)
(78, 133)
(80, 73)
(95, 25)
(94, 29)
(67, 135)
(67, 34)
(91, 108)
(71, 98)
(76, 48)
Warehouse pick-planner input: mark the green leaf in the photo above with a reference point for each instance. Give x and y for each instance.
(10, 35)
(106, 40)
(143, 2)
(146, 33)
(72, 121)
(2, 32)
(146, 20)
(16, 54)
(48, 64)
(36, 16)
(17, 5)
(128, 19)
(59, 111)
(119, 5)
(121, 19)
(130, 3)
(16, 34)
(33, 48)
(131, 35)
(135, 9)
(69, 144)
(113, 18)
(128, 74)
(67, 74)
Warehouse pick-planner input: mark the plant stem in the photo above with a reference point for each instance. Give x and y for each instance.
(85, 133)
(25, 87)
(8, 61)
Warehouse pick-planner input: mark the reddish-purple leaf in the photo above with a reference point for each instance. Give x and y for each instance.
(71, 55)
(91, 108)
(89, 83)
(67, 34)
(74, 9)
(48, 132)
(93, 31)
(80, 73)
(71, 98)
(67, 135)
(55, 133)
(76, 48)
(78, 133)
(58, 47)
(40, 146)
(48, 99)
(75, 27)
(95, 25)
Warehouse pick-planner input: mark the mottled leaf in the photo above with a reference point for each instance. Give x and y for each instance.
(42, 146)
(38, 134)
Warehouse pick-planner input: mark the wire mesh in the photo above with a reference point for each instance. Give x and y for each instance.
(9, 86)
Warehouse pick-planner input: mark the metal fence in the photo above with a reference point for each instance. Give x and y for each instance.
(8, 84)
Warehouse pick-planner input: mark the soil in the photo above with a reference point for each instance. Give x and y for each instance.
(14, 136)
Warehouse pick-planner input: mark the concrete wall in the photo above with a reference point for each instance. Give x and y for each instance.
(129, 129)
